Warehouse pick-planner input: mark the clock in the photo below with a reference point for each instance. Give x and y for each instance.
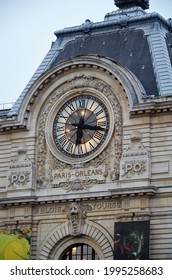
(80, 127)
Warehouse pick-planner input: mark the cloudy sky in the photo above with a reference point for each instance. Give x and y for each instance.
(27, 30)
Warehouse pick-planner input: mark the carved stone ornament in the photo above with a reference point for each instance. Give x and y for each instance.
(19, 178)
(76, 214)
(135, 147)
(134, 167)
(76, 185)
(47, 162)
(135, 161)
(20, 171)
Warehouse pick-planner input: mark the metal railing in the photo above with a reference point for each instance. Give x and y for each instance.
(6, 106)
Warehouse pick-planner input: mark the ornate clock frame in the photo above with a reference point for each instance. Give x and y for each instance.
(108, 155)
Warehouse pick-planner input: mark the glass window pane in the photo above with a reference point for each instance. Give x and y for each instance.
(89, 250)
(74, 251)
(80, 252)
(85, 249)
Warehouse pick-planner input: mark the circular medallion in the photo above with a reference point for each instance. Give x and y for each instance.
(80, 128)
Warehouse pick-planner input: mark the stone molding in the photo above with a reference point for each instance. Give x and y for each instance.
(61, 234)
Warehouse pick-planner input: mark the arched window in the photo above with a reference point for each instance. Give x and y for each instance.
(80, 251)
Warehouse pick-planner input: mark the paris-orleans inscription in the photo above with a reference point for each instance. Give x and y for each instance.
(96, 174)
(94, 206)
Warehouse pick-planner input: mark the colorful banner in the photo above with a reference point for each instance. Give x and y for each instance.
(131, 240)
(15, 244)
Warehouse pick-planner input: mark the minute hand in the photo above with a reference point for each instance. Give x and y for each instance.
(92, 127)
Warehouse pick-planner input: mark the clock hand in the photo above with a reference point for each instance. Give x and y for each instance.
(79, 135)
(74, 124)
(79, 132)
(92, 127)
(80, 124)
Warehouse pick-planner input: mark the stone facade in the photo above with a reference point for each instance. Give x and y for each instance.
(130, 180)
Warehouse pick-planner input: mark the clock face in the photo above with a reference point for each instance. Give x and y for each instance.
(81, 126)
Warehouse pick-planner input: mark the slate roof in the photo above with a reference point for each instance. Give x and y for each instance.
(129, 48)
(169, 45)
(4, 113)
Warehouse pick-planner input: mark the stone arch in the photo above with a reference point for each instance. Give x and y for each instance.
(106, 69)
(69, 241)
(92, 234)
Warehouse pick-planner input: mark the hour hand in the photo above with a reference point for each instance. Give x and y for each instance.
(74, 124)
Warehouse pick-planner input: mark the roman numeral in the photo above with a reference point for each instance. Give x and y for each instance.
(92, 105)
(64, 117)
(59, 128)
(98, 135)
(63, 140)
(101, 123)
(99, 112)
(80, 149)
(81, 103)
(91, 146)
(70, 147)
(71, 107)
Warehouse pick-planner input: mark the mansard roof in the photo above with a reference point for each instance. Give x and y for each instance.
(139, 41)
(120, 47)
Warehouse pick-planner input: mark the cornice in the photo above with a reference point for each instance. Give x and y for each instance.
(114, 19)
(135, 191)
(112, 194)
(149, 107)
(153, 105)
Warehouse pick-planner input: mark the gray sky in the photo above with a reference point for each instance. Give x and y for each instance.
(27, 30)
